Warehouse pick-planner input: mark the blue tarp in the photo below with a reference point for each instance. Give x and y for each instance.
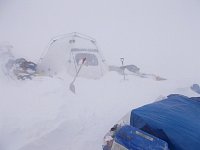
(135, 139)
(175, 120)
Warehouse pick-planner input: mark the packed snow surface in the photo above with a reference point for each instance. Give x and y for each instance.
(44, 114)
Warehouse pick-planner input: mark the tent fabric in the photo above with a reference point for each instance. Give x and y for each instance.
(134, 139)
(175, 120)
(65, 52)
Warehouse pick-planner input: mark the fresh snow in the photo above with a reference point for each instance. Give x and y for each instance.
(43, 114)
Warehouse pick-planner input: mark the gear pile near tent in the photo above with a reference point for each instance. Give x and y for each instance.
(21, 68)
(16, 68)
(66, 52)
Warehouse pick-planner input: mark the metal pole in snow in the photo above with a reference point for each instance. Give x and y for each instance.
(122, 61)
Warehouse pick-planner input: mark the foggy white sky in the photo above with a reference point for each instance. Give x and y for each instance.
(159, 36)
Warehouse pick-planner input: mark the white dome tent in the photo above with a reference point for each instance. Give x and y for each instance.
(66, 52)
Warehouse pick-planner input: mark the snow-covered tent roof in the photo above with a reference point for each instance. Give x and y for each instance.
(65, 53)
